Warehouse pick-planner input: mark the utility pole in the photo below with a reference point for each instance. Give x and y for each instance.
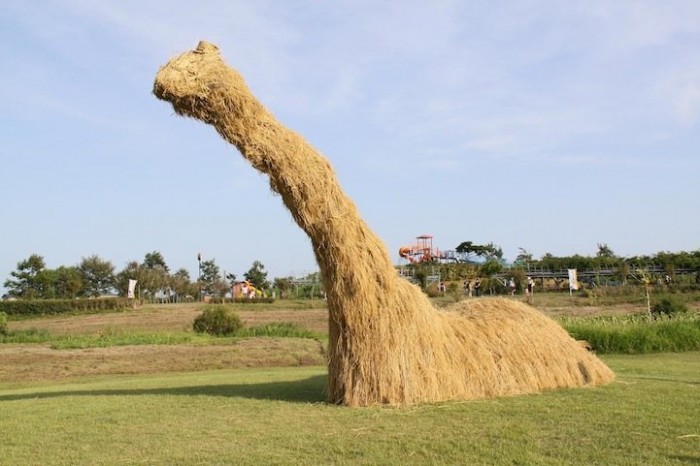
(199, 274)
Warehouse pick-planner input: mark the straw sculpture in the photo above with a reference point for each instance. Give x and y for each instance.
(387, 343)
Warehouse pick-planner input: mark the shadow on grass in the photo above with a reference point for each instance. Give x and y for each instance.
(309, 390)
(686, 458)
(665, 379)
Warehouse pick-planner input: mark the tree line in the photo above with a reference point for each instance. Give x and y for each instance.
(94, 277)
(487, 261)
(605, 258)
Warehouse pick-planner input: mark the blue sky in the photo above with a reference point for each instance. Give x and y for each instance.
(547, 125)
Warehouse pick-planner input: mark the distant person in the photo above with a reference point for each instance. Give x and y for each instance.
(442, 287)
(530, 290)
(511, 286)
(468, 288)
(477, 286)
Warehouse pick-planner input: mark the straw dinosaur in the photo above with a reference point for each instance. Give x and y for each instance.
(387, 343)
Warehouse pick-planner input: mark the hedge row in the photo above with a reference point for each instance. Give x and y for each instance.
(62, 306)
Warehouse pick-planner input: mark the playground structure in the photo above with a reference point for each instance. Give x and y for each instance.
(245, 289)
(424, 251)
(387, 343)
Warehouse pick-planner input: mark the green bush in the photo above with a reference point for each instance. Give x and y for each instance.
(3, 324)
(668, 306)
(217, 320)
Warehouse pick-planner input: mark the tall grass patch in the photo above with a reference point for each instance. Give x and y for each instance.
(637, 334)
(104, 339)
(25, 336)
(278, 329)
(3, 323)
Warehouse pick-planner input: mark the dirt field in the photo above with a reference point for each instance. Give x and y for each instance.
(39, 362)
(20, 363)
(172, 317)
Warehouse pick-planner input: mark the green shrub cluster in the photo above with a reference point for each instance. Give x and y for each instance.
(61, 306)
(217, 320)
(669, 306)
(637, 334)
(3, 323)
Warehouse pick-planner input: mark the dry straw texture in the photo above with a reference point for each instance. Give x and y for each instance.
(388, 344)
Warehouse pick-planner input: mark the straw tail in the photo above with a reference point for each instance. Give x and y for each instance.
(387, 343)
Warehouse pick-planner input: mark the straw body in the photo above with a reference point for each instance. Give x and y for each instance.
(387, 343)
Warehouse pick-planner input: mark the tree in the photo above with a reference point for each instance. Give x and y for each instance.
(154, 260)
(181, 284)
(524, 257)
(210, 275)
(97, 275)
(284, 285)
(27, 282)
(604, 251)
(622, 271)
(605, 257)
(484, 251)
(257, 275)
(132, 271)
(490, 268)
(155, 282)
(155, 279)
(220, 288)
(67, 282)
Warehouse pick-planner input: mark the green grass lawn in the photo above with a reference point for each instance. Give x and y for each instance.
(649, 416)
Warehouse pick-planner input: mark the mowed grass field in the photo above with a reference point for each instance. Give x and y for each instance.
(85, 410)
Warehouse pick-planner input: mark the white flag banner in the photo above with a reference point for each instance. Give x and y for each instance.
(132, 288)
(573, 281)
